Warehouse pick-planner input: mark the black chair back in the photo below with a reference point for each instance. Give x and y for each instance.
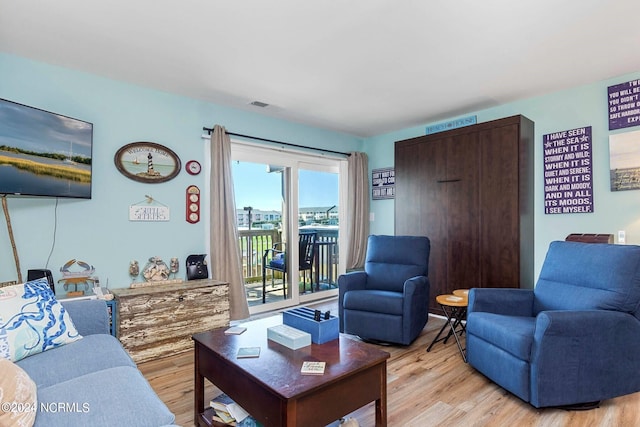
(306, 250)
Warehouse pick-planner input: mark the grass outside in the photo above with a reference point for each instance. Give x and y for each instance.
(56, 171)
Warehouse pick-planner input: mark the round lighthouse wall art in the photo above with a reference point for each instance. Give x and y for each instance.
(147, 162)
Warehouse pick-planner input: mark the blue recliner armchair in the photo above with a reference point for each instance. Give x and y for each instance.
(573, 340)
(389, 300)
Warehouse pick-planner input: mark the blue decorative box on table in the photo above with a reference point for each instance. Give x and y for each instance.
(321, 331)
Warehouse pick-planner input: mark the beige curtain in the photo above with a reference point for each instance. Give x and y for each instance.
(226, 263)
(357, 210)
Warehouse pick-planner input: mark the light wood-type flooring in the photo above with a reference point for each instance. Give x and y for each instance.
(424, 389)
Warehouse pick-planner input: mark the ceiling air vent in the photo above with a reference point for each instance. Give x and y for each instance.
(259, 104)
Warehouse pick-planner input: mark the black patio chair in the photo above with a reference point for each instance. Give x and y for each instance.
(275, 259)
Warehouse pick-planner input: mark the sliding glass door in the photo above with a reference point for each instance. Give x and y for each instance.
(261, 218)
(289, 211)
(318, 200)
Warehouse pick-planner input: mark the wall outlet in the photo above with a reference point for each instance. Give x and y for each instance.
(622, 237)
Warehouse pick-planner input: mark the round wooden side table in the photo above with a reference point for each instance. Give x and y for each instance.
(455, 308)
(461, 293)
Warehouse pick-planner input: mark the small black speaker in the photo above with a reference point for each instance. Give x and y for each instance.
(197, 267)
(37, 274)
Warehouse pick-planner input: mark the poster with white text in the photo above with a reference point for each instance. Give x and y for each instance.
(383, 183)
(568, 176)
(624, 105)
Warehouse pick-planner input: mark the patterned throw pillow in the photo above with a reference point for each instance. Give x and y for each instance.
(18, 394)
(32, 321)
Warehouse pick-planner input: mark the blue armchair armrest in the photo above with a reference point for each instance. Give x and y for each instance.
(89, 316)
(416, 294)
(355, 280)
(416, 285)
(416, 301)
(577, 354)
(506, 301)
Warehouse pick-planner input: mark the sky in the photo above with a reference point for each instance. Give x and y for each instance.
(261, 190)
(624, 150)
(37, 130)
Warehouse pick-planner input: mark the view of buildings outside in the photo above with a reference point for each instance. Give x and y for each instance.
(258, 193)
(268, 220)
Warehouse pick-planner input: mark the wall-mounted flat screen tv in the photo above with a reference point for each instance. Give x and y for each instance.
(44, 153)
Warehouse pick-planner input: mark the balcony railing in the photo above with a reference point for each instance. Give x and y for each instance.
(325, 271)
(253, 243)
(324, 274)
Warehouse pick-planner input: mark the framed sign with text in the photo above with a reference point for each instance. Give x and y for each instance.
(568, 174)
(147, 162)
(149, 213)
(624, 105)
(624, 161)
(451, 124)
(383, 183)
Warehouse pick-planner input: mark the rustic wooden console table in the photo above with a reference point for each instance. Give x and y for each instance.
(159, 320)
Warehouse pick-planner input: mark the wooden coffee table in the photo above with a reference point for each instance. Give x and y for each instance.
(271, 387)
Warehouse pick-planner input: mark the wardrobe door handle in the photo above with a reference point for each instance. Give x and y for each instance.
(449, 180)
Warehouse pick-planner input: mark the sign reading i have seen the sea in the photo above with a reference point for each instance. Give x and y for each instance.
(568, 176)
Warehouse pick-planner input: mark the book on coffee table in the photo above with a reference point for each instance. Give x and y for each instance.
(247, 352)
(235, 330)
(227, 411)
(220, 402)
(312, 368)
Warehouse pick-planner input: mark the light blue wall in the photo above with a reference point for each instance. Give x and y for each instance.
(98, 231)
(569, 109)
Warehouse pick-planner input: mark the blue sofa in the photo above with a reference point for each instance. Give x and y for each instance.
(389, 300)
(574, 339)
(92, 381)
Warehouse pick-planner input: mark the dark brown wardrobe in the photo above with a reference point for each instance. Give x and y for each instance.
(470, 190)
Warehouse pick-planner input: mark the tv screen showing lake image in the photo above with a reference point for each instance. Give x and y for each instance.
(44, 153)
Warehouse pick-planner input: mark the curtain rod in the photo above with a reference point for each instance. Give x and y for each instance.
(209, 130)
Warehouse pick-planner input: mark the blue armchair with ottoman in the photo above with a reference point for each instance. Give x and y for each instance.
(574, 340)
(389, 300)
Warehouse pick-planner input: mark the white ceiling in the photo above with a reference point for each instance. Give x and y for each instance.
(363, 67)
